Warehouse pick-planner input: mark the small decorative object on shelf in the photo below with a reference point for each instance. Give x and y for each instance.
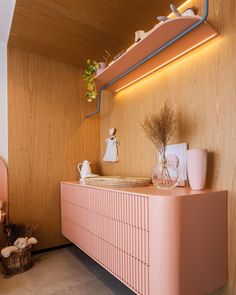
(188, 12)
(107, 57)
(139, 35)
(112, 142)
(175, 10)
(159, 128)
(92, 67)
(103, 65)
(197, 168)
(16, 256)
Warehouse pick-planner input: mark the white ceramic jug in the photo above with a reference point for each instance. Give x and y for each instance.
(84, 169)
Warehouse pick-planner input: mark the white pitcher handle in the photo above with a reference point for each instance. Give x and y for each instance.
(80, 164)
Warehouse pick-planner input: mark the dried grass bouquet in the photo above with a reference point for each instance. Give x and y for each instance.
(159, 127)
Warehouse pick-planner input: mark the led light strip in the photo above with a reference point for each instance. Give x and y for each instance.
(154, 53)
(167, 62)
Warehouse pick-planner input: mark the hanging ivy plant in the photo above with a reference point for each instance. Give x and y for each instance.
(92, 67)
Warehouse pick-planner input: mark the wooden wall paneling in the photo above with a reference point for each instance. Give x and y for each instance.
(46, 138)
(201, 85)
(73, 31)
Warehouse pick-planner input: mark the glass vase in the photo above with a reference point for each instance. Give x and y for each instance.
(165, 174)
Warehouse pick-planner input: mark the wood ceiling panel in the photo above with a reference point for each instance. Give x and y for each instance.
(73, 31)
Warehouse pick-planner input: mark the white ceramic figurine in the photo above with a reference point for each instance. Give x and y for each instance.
(188, 12)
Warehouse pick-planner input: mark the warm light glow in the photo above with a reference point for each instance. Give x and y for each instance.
(167, 62)
(182, 6)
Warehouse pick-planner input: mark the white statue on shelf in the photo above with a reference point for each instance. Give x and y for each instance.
(188, 12)
(139, 35)
(112, 142)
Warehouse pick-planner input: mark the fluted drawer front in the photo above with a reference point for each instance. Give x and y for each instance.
(113, 228)
(122, 220)
(119, 229)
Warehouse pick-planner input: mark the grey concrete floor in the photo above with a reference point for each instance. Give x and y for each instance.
(67, 271)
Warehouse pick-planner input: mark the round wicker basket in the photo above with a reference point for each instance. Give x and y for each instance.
(17, 262)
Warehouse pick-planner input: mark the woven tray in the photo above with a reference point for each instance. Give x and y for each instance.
(118, 181)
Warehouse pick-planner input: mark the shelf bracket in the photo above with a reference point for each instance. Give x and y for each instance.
(169, 43)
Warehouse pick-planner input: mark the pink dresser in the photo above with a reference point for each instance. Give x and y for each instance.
(168, 242)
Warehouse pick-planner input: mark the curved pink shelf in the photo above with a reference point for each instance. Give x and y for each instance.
(158, 37)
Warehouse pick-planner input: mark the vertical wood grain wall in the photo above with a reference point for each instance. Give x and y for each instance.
(46, 138)
(202, 87)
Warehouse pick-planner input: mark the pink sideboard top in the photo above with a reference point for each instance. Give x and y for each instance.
(151, 191)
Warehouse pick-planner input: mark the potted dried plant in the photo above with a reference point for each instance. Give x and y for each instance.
(104, 64)
(159, 127)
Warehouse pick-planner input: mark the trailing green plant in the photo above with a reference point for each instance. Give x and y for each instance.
(92, 67)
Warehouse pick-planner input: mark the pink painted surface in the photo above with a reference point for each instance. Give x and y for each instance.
(3, 195)
(197, 168)
(156, 39)
(190, 238)
(148, 191)
(4, 183)
(171, 244)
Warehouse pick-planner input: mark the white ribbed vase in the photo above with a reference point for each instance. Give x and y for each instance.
(197, 168)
